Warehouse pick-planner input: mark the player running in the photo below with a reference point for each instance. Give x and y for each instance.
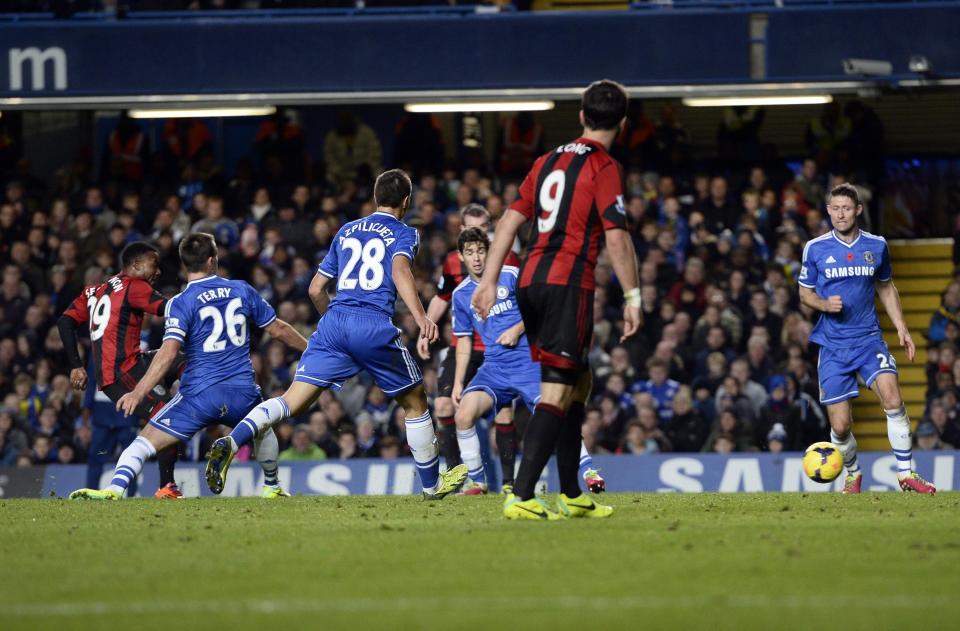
(454, 272)
(507, 372)
(840, 272)
(209, 319)
(371, 259)
(575, 195)
(113, 312)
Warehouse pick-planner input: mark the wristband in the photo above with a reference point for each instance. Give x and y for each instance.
(632, 297)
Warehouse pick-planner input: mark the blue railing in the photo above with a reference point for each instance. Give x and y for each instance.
(263, 14)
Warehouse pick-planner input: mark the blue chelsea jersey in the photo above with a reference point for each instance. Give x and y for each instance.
(209, 318)
(504, 314)
(832, 267)
(361, 259)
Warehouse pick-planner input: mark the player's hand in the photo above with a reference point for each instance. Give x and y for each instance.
(457, 393)
(129, 402)
(632, 321)
(428, 331)
(510, 337)
(906, 342)
(834, 304)
(423, 348)
(78, 379)
(483, 298)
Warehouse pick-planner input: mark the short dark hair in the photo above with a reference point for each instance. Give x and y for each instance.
(391, 188)
(472, 235)
(845, 190)
(604, 104)
(196, 249)
(475, 210)
(136, 251)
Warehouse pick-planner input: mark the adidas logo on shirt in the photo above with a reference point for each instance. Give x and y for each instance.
(830, 259)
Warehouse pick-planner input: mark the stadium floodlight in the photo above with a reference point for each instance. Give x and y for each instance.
(478, 106)
(203, 112)
(746, 101)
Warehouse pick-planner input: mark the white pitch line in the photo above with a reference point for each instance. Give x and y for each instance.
(272, 606)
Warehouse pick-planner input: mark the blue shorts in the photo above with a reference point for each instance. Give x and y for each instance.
(187, 414)
(507, 382)
(838, 368)
(350, 340)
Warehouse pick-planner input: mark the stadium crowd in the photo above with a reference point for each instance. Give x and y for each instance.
(722, 363)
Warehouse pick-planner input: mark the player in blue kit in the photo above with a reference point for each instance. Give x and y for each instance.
(371, 260)
(841, 270)
(508, 372)
(209, 320)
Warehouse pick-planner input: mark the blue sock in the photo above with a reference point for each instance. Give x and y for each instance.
(586, 462)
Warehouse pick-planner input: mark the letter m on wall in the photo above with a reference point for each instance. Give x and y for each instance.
(36, 61)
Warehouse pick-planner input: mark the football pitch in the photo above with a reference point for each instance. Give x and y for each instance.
(666, 561)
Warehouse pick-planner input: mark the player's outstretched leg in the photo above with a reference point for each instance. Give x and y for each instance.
(898, 432)
(260, 419)
(267, 449)
(422, 440)
(129, 465)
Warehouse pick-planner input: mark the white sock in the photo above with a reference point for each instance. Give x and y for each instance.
(423, 446)
(267, 449)
(470, 454)
(848, 449)
(261, 418)
(131, 463)
(898, 431)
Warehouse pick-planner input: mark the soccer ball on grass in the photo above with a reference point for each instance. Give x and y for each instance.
(822, 462)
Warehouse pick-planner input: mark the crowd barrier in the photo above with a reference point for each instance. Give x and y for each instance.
(662, 473)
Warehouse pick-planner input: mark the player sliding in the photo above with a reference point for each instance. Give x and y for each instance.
(113, 312)
(840, 272)
(575, 195)
(209, 319)
(371, 259)
(507, 372)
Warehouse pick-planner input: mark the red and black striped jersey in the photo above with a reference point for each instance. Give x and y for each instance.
(114, 312)
(452, 274)
(575, 193)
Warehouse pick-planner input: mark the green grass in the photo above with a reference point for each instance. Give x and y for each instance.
(764, 561)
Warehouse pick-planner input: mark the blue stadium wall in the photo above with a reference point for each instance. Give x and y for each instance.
(451, 52)
(665, 473)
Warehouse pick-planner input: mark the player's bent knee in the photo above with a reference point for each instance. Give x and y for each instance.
(443, 406)
(158, 439)
(300, 396)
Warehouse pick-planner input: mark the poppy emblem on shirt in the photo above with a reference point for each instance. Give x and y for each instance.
(868, 257)
(850, 256)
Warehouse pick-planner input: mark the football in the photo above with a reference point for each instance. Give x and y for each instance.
(822, 462)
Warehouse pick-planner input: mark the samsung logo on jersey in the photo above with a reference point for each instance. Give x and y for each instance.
(851, 270)
(497, 309)
(385, 233)
(575, 147)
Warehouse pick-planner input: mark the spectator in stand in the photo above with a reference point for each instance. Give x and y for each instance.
(302, 447)
(949, 311)
(718, 211)
(350, 149)
(927, 438)
(947, 430)
(686, 430)
(809, 185)
(659, 387)
(729, 426)
(224, 230)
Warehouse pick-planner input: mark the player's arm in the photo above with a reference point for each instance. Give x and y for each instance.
(486, 292)
(809, 297)
(464, 349)
(890, 299)
(318, 292)
(511, 336)
(159, 367)
(407, 289)
(67, 324)
(623, 257)
(435, 310)
(287, 334)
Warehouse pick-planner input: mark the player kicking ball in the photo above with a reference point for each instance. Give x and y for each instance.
(507, 372)
(841, 270)
(209, 320)
(371, 259)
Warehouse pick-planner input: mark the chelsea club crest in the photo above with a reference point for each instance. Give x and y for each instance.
(868, 257)
(502, 292)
